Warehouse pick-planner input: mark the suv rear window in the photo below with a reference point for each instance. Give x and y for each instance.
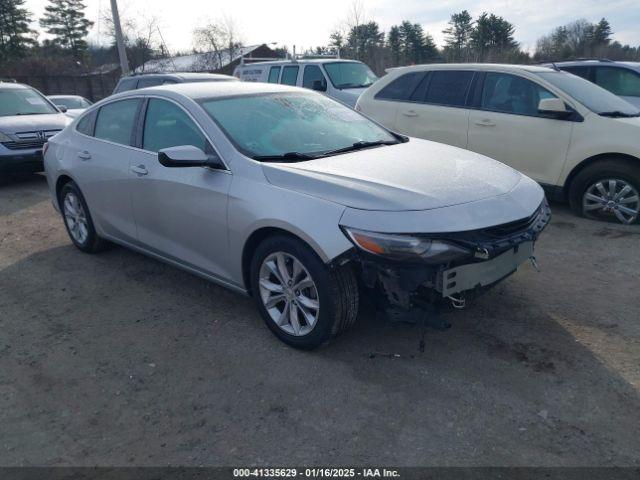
(402, 87)
(449, 87)
(126, 84)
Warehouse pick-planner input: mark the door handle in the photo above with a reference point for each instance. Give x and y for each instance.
(139, 170)
(485, 123)
(410, 113)
(84, 155)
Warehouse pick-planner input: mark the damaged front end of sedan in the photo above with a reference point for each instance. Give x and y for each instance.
(412, 276)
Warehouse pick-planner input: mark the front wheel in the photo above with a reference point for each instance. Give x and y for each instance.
(607, 190)
(302, 301)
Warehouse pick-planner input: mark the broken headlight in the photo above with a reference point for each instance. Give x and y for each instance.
(401, 246)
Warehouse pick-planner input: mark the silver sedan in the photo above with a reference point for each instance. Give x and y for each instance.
(293, 198)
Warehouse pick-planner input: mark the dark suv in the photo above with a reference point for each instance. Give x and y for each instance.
(135, 82)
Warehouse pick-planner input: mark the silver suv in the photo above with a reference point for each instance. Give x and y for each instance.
(27, 120)
(620, 78)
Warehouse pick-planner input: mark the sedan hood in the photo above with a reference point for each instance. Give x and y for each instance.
(30, 123)
(417, 175)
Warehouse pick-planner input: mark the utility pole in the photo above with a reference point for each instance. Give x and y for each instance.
(122, 52)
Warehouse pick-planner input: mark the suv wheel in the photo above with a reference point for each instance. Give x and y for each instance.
(302, 301)
(607, 190)
(78, 220)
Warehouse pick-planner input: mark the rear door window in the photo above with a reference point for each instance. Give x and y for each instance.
(289, 75)
(579, 71)
(274, 73)
(402, 87)
(115, 121)
(449, 87)
(619, 81)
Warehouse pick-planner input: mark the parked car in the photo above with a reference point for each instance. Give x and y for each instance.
(342, 80)
(620, 78)
(71, 105)
(145, 80)
(577, 139)
(27, 121)
(288, 195)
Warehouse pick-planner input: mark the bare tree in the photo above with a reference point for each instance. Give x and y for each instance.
(141, 36)
(219, 40)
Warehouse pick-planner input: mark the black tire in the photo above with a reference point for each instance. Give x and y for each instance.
(337, 292)
(93, 243)
(612, 168)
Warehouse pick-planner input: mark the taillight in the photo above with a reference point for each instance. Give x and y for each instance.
(45, 147)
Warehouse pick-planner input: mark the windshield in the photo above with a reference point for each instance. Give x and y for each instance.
(71, 102)
(272, 125)
(595, 98)
(23, 102)
(350, 74)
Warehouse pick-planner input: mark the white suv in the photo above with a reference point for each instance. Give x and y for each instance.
(342, 80)
(576, 139)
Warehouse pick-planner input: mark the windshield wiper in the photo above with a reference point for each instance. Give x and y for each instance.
(285, 157)
(618, 114)
(360, 146)
(29, 113)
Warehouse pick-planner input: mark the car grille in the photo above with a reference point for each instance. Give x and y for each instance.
(513, 228)
(499, 238)
(30, 140)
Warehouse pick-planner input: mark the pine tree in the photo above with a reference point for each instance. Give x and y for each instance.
(394, 41)
(14, 29)
(602, 32)
(66, 21)
(458, 35)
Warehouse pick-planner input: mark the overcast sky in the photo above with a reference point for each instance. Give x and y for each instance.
(307, 23)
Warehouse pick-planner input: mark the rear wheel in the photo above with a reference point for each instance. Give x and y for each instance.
(303, 302)
(607, 190)
(78, 220)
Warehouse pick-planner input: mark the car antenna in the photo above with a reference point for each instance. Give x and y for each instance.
(555, 67)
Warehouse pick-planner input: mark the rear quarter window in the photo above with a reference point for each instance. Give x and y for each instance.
(115, 121)
(87, 123)
(126, 84)
(402, 87)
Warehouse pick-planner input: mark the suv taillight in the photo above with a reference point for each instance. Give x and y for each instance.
(44, 148)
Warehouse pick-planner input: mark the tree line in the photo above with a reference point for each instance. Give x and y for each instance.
(487, 38)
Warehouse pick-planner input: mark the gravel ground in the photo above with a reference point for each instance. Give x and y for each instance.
(118, 359)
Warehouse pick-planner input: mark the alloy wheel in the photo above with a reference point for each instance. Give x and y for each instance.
(289, 293)
(612, 198)
(76, 218)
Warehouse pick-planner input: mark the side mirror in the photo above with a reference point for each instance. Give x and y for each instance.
(62, 108)
(552, 105)
(187, 156)
(319, 86)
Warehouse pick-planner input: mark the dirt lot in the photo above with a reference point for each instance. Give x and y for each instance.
(117, 359)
